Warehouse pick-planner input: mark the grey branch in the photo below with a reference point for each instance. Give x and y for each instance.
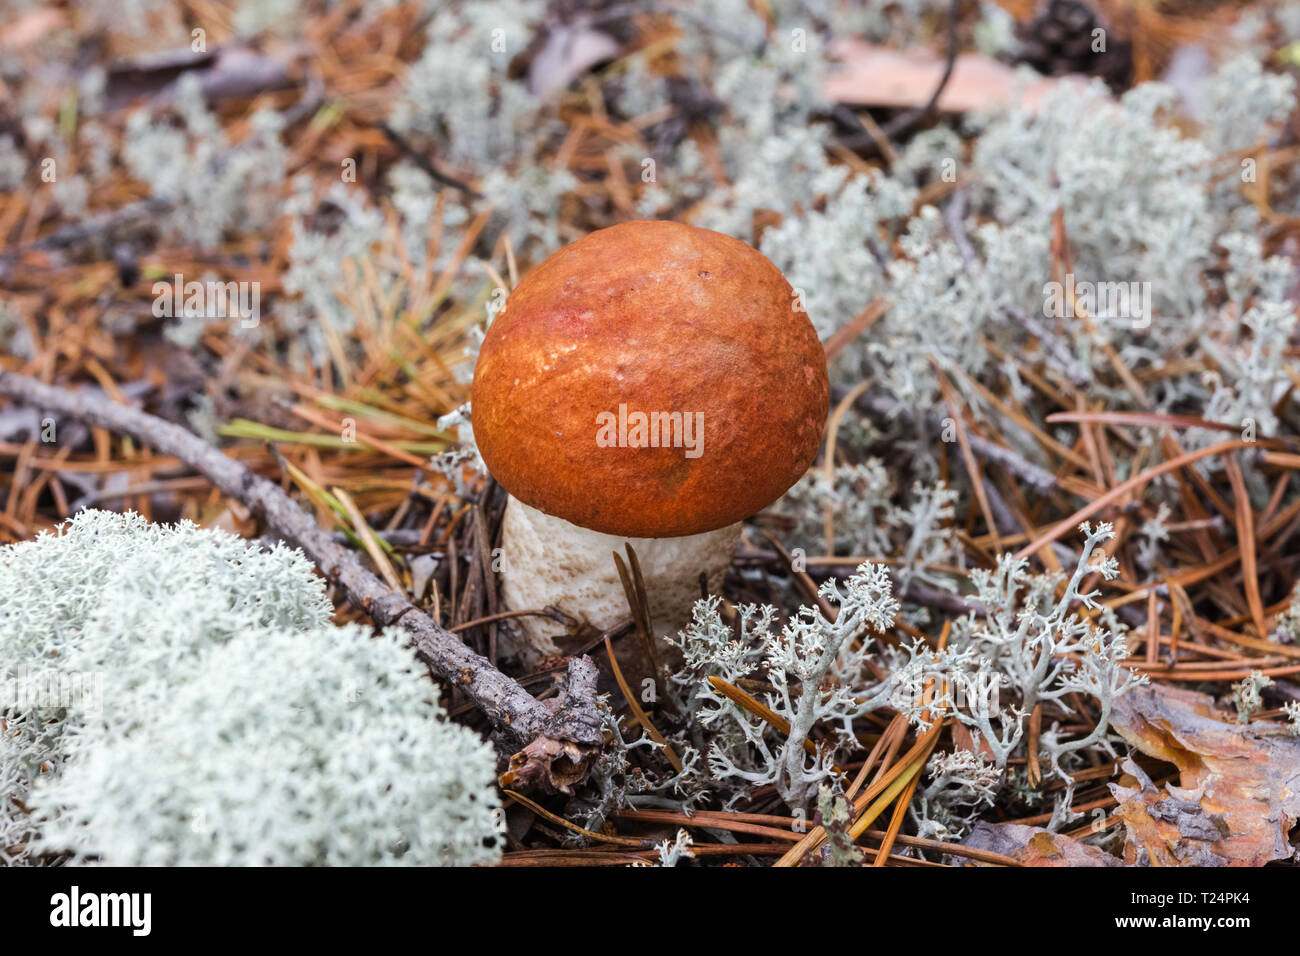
(568, 724)
(995, 454)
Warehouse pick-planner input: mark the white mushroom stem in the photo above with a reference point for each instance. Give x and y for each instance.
(550, 561)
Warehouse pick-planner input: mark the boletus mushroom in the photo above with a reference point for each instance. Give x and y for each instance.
(652, 383)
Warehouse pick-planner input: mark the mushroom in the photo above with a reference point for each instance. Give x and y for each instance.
(652, 383)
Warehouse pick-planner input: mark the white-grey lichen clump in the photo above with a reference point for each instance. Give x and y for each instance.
(1288, 622)
(461, 97)
(1292, 710)
(1032, 648)
(870, 517)
(819, 676)
(1247, 697)
(209, 713)
(210, 184)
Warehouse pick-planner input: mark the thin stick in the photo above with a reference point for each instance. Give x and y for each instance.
(1246, 542)
(641, 718)
(759, 710)
(574, 727)
(817, 835)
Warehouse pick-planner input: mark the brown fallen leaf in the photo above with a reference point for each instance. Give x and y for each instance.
(1240, 784)
(868, 75)
(1034, 846)
(567, 54)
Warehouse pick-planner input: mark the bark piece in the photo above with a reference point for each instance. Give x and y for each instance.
(1240, 784)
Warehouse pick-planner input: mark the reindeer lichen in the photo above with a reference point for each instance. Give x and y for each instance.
(235, 724)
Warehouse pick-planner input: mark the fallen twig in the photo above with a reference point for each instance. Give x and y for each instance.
(560, 737)
(905, 122)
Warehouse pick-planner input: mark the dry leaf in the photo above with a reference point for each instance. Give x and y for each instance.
(1240, 793)
(869, 75)
(1034, 846)
(568, 53)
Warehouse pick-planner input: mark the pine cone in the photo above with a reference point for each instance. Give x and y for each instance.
(1060, 41)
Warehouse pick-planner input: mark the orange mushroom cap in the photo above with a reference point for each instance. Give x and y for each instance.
(692, 329)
